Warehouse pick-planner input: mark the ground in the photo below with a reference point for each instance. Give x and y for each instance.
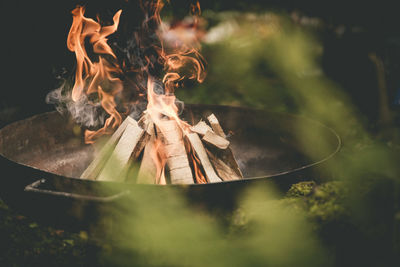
(25, 242)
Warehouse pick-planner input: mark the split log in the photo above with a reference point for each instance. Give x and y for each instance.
(216, 140)
(95, 167)
(148, 127)
(148, 168)
(215, 125)
(201, 128)
(129, 144)
(146, 123)
(181, 175)
(223, 161)
(225, 164)
(131, 138)
(175, 152)
(140, 145)
(162, 179)
(198, 148)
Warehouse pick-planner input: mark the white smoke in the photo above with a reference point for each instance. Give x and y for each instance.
(84, 112)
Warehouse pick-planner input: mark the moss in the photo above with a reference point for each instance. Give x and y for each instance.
(301, 189)
(321, 203)
(25, 242)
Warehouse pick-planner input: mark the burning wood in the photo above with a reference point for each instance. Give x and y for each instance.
(177, 161)
(225, 164)
(164, 149)
(216, 140)
(148, 168)
(128, 145)
(167, 149)
(202, 154)
(215, 125)
(201, 128)
(101, 158)
(224, 161)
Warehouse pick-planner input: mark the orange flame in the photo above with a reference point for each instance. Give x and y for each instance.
(95, 77)
(196, 165)
(180, 45)
(183, 65)
(158, 154)
(98, 75)
(182, 62)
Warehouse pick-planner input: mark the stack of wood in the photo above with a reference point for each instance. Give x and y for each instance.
(144, 152)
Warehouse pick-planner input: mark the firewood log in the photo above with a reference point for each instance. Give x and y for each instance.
(94, 168)
(201, 128)
(148, 167)
(175, 152)
(216, 140)
(198, 147)
(224, 163)
(128, 145)
(215, 125)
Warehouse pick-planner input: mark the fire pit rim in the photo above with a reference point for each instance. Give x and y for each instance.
(210, 106)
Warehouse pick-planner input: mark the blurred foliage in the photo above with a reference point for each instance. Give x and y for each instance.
(335, 208)
(267, 61)
(163, 230)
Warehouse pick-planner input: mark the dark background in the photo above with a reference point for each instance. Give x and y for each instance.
(34, 52)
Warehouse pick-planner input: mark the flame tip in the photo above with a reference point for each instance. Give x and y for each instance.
(180, 58)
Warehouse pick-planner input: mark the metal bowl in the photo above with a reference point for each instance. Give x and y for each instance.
(43, 156)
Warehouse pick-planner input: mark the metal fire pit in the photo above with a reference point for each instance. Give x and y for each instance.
(42, 158)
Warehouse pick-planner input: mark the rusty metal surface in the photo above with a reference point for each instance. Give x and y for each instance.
(264, 144)
(42, 156)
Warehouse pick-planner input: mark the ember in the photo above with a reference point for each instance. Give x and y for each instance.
(168, 149)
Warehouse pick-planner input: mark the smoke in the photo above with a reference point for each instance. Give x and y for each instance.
(86, 113)
(139, 50)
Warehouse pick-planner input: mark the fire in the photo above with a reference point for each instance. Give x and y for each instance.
(100, 76)
(195, 162)
(95, 77)
(181, 62)
(158, 154)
